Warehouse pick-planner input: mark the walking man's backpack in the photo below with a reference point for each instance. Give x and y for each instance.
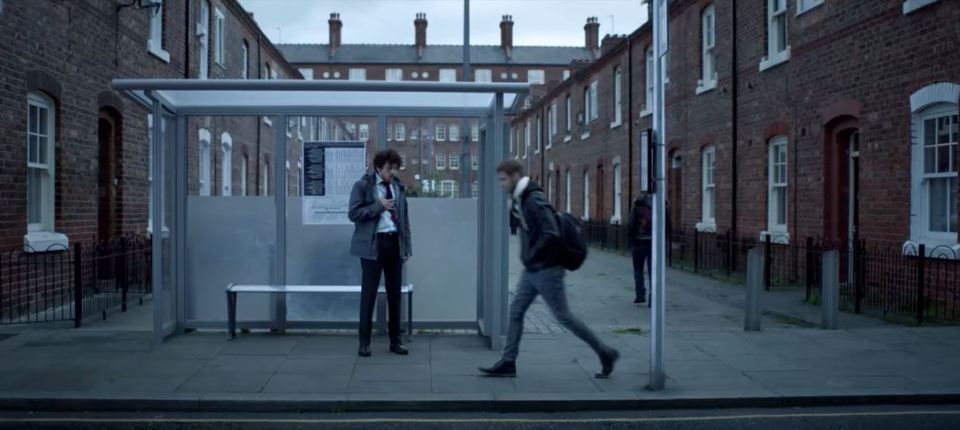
(573, 251)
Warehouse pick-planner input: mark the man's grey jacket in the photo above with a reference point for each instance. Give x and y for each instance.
(366, 211)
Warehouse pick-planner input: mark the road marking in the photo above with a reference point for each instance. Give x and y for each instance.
(475, 420)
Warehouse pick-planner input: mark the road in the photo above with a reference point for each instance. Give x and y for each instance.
(848, 418)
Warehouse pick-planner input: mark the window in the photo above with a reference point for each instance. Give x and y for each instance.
(537, 132)
(41, 123)
(587, 116)
(939, 134)
(400, 131)
(390, 133)
(475, 133)
(526, 138)
(566, 74)
(483, 75)
(155, 43)
(307, 74)
(536, 77)
(650, 83)
(226, 168)
(594, 105)
(569, 192)
(359, 75)
(203, 34)
(441, 134)
(245, 67)
(454, 133)
(474, 161)
(586, 196)
(475, 189)
(448, 188)
(569, 116)
(273, 72)
(454, 161)
(617, 97)
(777, 192)
(264, 179)
(448, 75)
(403, 161)
(550, 187)
(364, 132)
(243, 175)
(617, 192)
(708, 66)
(218, 38)
(708, 188)
(394, 75)
(805, 5)
(778, 50)
(441, 161)
(204, 166)
(552, 124)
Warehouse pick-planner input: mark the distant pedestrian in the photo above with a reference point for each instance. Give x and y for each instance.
(640, 229)
(540, 244)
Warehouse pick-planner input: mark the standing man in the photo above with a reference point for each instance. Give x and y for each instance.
(542, 275)
(640, 230)
(381, 238)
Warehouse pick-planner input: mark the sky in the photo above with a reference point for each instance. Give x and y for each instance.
(536, 22)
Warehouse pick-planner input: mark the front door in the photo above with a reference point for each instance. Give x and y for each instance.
(107, 177)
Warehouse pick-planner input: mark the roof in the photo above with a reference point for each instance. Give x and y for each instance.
(433, 54)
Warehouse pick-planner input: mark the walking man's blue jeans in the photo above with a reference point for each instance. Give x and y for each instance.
(549, 284)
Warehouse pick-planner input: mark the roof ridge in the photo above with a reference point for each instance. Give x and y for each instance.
(434, 45)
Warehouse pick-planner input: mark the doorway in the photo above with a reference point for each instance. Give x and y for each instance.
(108, 136)
(842, 192)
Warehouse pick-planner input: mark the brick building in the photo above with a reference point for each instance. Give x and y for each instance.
(792, 118)
(433, 147)
(75, 163)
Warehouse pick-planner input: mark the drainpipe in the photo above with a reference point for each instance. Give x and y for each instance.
(734, 112)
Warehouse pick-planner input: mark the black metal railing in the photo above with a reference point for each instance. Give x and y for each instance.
(61, 284)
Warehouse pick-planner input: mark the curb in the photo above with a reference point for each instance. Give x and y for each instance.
(441, 403)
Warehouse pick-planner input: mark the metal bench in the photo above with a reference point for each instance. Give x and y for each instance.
(234, 289)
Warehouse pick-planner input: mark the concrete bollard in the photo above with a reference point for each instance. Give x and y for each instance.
(755, 266)
(830, 289)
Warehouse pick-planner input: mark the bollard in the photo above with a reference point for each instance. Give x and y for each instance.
(755, 265)
(830, 289)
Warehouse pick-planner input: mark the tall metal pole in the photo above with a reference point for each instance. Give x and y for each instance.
(465, 129)
(657, 371)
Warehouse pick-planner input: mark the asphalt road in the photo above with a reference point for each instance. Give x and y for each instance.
(847, 418)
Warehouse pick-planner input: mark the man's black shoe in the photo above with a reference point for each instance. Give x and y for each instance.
(364, 351)
(399, 349)
(639, 300)
(503, 368)
(608, 361)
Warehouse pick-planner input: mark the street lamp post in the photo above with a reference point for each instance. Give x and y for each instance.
(657, 297)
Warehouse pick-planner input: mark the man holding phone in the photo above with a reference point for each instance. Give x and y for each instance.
(381, 238)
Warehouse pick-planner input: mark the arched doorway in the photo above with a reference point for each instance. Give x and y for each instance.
(842, 180)
(109, 137)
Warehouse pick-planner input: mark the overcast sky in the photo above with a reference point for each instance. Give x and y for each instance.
(536, 22)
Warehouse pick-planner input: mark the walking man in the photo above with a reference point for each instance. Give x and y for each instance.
(542, 275)
(640, 233)
(381, 238)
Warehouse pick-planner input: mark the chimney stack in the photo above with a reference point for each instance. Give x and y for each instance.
(336, 27)
(609, 42)
(506, 35)
(420, 25)
(592, 32)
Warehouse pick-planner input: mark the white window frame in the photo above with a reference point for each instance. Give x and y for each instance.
(569, 192)
(807, 5)
(364, 132)
(265, 179)
(203, 36)
(448, 75)
(538, 132)
(777, 159)
(910, 6)
(390, 132)
(586, 196)
(454, 162)
(536, 77)
(358, 74)
(400, 132)
(441, 161)
(204, 171)
(617, 98)
(245, 53)
(453, 133)
(393, 75)
(775, 56)
(552, 125)
(617, 191)
(569, 124)
(649, 87)
(448, 188)
(566, 74)
(306, 72)
(226, 164)
(440, 132)
(475, 132)
(243, 174)
(155, 41)
(218, 38)
(594, 101)
(931, 102)
(708, 190)
(483, 75)
(708, 45)
(475, 161)
(47, 169)
(526, 138)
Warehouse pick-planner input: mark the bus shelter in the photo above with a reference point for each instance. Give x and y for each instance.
(203, 243)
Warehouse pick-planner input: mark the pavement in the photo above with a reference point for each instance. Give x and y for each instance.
(710, 361)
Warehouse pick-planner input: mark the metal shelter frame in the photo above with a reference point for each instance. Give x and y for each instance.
(179, 99)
